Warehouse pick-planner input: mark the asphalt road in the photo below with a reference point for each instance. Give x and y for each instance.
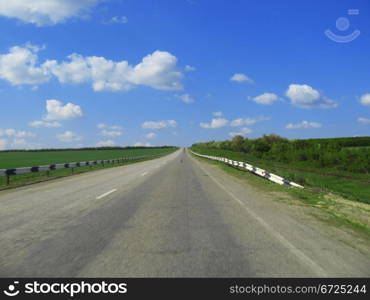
(174, 216)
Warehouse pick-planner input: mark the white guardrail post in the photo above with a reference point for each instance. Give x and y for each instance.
(255, 170)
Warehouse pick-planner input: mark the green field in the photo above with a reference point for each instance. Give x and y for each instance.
(353, 186)
(29, 158)
(17, 159)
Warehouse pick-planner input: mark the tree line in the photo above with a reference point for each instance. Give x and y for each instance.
(345, 154)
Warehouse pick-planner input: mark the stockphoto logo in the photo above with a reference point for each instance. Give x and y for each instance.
(12, 290)
(70, 289)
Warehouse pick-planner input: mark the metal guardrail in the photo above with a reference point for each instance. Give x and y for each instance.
(258, 171)
(27, 170)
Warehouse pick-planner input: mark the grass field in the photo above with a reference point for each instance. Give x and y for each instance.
(327, 207)
(29, 158)
(352, 186)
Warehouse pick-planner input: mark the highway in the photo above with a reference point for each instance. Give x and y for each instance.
(175, 216)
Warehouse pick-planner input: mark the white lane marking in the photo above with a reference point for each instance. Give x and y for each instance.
(106, 194)
(298, 253)
(144, 173)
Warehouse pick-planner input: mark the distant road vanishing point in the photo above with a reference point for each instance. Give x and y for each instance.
(175, 216)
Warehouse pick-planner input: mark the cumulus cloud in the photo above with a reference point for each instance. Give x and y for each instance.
(304, 96)
(240, 77)
(101, 126)
(20, 66)
(57, 111)
(363, 121)
(150, 135)
(19, 143)
(215, 123)
(40, 123)
(107, 143)
(159, 124)
(189, 68)
(266, 99)
(186, 98)
(365, 99)
(68, 137)
(247, 121)
(118, 20)
(139, 144)
(222, 122)
(218, 114)
(3, 144)
(105, 132)
(157, 70)
(10, 132)
(43, 13)
(105, 126)
(243, 132)
(304, 125)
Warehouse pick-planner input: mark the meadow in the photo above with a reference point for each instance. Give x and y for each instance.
(339, 166)
(17, 159)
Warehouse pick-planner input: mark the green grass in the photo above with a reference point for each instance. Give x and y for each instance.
(29, 158)
(326, 210)
(352, 186)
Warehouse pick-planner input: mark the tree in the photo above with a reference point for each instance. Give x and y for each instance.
(237, 143)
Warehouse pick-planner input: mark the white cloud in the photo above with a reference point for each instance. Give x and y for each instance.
(24, 134)
(150, 135)
(222, 122)
(101, 126)
(19, 143)
(365, 99)
(57, 111)
(247, 121)
(364, 121)
(243, 132)
(157, 70)
(240, 77)
(45, 12)
(215, 123)
(266, 99)
(68, 137)
(304, 125)
(105, 132)
(105, 126)
(159, 124)
(189, 68)
(218, 114)
(304, 96)
(186, 98)
(3, 144)
(40, 123)
(19, 66)
(118, 20)
(139, 144)
(14, 133)
(106, 143)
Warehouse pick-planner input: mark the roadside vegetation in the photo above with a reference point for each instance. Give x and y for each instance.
(337, 165)
(29, 158)
(350, 220)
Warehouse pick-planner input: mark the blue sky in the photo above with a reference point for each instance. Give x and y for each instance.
(175, 72)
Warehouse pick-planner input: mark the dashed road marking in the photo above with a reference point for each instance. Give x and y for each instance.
(106, 194)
